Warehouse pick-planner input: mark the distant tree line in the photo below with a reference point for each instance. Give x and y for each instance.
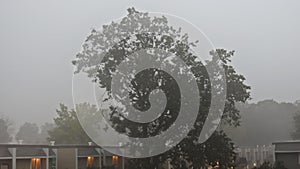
(28, 133)
(273, 120)
(265, 122)
(66, 129)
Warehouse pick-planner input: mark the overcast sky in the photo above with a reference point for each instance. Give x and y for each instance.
(39, 38)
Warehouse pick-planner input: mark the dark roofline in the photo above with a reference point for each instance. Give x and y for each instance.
(286, 142)
(23, 145)
(55, 146)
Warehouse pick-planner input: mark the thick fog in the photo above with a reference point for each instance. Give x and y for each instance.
(39, 39)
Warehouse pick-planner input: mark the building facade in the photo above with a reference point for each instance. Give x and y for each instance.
(17, 156)
(288, 152)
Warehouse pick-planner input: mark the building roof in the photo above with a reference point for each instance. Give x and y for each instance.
(286, 141)
(292, 146)
(30, 152)
(85, 152)
(54, 146)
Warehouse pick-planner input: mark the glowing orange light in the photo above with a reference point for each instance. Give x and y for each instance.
(90, 161)
(115, 159)
(35, 163)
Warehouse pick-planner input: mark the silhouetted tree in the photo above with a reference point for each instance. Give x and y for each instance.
(189, 153)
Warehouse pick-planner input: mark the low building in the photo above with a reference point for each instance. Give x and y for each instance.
(288, 152)
(18, 156)
(251, 156)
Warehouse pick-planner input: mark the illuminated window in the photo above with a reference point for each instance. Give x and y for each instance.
(115, 160)
(35, 163)
(90, 161)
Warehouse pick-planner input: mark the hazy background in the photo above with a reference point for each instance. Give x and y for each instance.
(38, 40)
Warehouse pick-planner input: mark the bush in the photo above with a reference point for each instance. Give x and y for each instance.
(268, 165)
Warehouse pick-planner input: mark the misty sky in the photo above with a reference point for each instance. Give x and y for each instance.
(39, 38)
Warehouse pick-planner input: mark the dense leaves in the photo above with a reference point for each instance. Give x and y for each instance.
(105, 49)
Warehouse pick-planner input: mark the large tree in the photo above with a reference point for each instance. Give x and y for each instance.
(4, 133)
(219, 149)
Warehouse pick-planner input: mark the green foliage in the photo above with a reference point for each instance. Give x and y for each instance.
(237, 90)
(68, 129)
(4, 134)
(218, 148)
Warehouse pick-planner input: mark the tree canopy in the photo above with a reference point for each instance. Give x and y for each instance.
(100, 67)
